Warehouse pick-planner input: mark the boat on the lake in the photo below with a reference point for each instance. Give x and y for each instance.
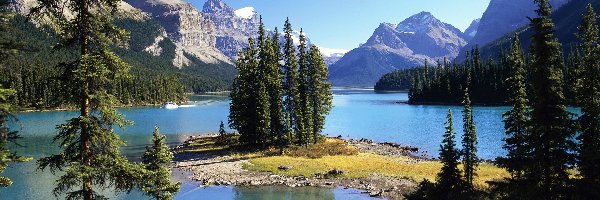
(170, 105)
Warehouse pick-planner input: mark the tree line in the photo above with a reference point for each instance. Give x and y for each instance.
(36, 72)
(90, 158)
(551, 153)
(281, 95)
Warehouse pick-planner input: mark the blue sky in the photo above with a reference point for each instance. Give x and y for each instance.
(344, 24)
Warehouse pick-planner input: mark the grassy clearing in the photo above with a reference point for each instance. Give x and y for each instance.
(335, 154)
(363, 164)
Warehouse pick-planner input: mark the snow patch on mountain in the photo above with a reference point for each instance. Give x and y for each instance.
(329, 52)
(246, 12)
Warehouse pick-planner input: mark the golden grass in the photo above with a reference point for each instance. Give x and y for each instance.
(363, 164)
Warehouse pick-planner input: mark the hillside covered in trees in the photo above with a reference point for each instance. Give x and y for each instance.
(35, 73)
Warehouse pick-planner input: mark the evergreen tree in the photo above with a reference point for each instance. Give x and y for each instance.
(320, 91)
(272, 57)
(469, 143)
(304, 111)
(588, 94)
(242, 109)
(291, 81)
(449, 182)
(157, 181)
(222, 131)
(552, 129)
(261, 80)
(7, 156)
(91, 156)
(516, 120)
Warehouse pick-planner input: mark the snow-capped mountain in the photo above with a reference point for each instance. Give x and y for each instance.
(191, 30)
(331, 56)
(232, 27)
(418, 38)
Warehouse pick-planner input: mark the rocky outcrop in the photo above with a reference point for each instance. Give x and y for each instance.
(232, 27)
(420, 37)
(192, 32)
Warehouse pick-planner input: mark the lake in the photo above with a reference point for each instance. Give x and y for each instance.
(357, 113)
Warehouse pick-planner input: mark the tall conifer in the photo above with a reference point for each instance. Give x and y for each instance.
(157, 158)
(469, 143)
(320, 92)
(91, 157)
(552, 128)
(291, 83)
(449, 182)
(588, 94)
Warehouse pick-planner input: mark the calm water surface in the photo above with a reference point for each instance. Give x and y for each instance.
(356, 114)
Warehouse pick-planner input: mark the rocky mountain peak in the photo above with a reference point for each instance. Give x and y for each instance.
(217, 7)
(471, 31)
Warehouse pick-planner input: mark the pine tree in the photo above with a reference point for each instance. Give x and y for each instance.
(261, 81)
(552, 128)
(222, 131)
(516, 120)
(320, 91)
(304, 111)
(241, 113)
(588, 93)
(449, 182)
(157, 181)
(469, 143)
(7, 156)
(273, 56)
(91, 156)
(291, 81)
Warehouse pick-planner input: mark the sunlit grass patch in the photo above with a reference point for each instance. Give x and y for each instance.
(363, 164)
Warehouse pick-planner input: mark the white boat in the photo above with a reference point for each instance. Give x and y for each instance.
(170, 105)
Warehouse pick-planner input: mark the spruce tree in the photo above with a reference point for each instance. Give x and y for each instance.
(320, 91)
(469, 143)
(261, 80)
(304, 111)
(222, 129)
(157, 158)
(516, 120)
(291, 81)
(7, 155)
(91, 156)
(588, 94)
(449, 183)
(552, 128)
(241, 112)
(274, 84)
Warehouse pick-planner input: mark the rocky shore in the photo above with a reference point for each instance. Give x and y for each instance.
(223, 169)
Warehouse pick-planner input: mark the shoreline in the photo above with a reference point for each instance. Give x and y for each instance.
(222, 168)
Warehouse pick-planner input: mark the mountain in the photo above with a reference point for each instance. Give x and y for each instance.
(566, 20)
(502, 17)
(168, 39)
(191, 30)
(232, 27)
(471, 31)
(331, 56)
(410, 43)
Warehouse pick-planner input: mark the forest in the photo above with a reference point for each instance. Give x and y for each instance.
(36, 71)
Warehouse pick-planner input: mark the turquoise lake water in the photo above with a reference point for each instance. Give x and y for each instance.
(356, 114)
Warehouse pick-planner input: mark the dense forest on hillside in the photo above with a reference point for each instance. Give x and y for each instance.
(35, 73)
(444, 82)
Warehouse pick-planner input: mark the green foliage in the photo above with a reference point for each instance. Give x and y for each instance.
(552, 129)
(396, 80)
(280, 105)
(91, 157)
(449, 183)
(7, 155)
(157, 179)
(469, 144)
(588, 93)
